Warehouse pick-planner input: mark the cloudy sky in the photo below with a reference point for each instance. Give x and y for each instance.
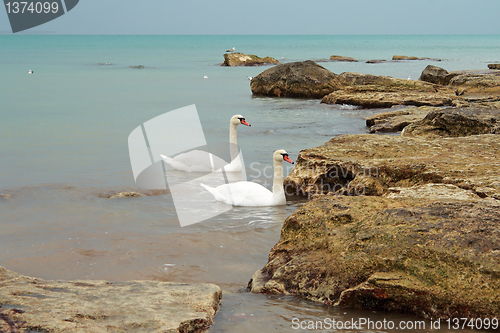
(274, 17)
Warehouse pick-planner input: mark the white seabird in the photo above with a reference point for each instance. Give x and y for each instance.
(30, 72)
(231, 50)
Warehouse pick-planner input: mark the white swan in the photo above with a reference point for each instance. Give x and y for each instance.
(202, 161)
(253, 194)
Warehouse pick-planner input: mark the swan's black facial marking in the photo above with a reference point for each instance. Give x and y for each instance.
(243, 121)
(286, 158)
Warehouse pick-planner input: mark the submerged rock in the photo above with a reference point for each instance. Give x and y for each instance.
(429, 257)
(240, 59)
(296, 79)
(370, 165)
(36, 305)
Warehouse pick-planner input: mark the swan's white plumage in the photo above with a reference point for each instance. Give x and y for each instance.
(251, 194)
(202, 161)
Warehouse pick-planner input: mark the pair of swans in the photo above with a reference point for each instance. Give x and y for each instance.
(243, 193)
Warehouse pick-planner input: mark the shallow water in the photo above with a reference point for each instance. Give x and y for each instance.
(63, 142)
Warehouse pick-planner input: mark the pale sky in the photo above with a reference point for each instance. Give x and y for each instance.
(273, 17)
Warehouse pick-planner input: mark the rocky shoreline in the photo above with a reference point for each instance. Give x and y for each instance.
(406, 223)
(29, 304)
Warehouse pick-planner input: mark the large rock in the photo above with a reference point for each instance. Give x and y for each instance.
(436, 258)
(240, 59)
(296, 79)
(437, 75)
(395, 121)
(456, 123)
(385, 99)
(34, 305)
(474, 81)
(372, 91)
(372, 164)
(494, 66)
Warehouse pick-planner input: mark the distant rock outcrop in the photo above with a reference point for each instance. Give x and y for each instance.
(342, 58)
(34, 305)
(296, 79)
(403, 57)
(494, 66)
(240, 59)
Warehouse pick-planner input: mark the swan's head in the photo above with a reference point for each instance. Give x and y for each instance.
(239, 119)
(282, 155)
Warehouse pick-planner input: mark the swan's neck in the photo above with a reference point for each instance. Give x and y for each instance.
(232, 133)
(233, 141)
(278, 178)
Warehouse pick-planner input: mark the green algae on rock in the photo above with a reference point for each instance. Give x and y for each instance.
(36, 305)
(432, 258)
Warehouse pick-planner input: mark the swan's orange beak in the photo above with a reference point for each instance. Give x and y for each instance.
(244, 122)
(286, 158)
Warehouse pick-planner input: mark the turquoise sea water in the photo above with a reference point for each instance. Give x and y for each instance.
(63, 139)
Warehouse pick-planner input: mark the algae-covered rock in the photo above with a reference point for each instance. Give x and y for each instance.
(296, 79)
(240, 59)
(455, 123)
(371, 164)
(429, 257)
(395, 121)
(34, 305)
(372, 91)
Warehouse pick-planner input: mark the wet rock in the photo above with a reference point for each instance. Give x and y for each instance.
(342, 58)
(455, 123)
(35, 305)
(137, 67)
(130, 194)
(371, 164)
(435, 258)
(494, 66)
(297, 79)
(240, 59)
(395, 121)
